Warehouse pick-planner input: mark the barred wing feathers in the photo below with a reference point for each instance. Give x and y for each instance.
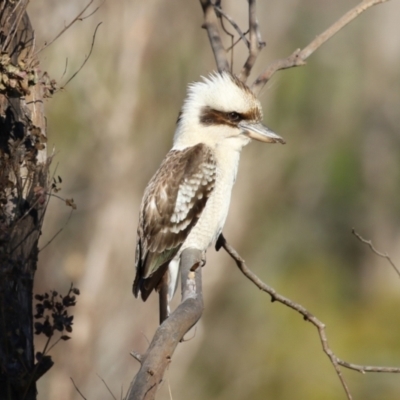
(172, 204)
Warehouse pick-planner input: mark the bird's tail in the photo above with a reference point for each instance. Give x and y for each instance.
(163, 297)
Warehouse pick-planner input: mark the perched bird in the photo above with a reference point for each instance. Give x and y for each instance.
(186, 203)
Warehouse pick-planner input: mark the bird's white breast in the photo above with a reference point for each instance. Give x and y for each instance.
(213, 217)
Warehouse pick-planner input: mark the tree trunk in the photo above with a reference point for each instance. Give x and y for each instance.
(23, 199)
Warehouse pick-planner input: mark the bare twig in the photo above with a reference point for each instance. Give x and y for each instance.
(336, 361)
(210, 24)
(58, 232)
(137, 356)
(232, 36)
(255, 44)
(93, 12)
(86, 58)
(217, 5)
(76, 388)
(236, 42)
(374, 250)
(65, 68)
(105, 384)
(234, 25)
(77, 18)
(299, 56)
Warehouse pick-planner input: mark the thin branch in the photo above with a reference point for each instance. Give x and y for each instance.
(255, 44)
(234, 25)
(58, 232)
(65, 68)
(299, 57)
(374, 250)
(76, 388)
(231, 35)
(77, 18)
(32, 49)
(237, 41)
(336, 361)
(137, 356)
(217, 5)
(210, 24)
(93, 12)
(86, 58)
(105, 384)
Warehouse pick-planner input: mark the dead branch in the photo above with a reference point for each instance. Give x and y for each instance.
(298, 57)
(374, 250)
(107, 387)
(255, 44)
(158, 356)
(93, 12)
(76, 388)
(210, 24)
(335, 360)
(234, 25)
(86, 58)
(58, 231)
(77, 18)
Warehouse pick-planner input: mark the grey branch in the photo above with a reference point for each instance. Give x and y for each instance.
(234, 25)
(255, 44)
(171, 331)
(86, 57)
(374, 250)
(299, 57)
(77, 18)
(210, 24)
(336, 361)
(77, 389)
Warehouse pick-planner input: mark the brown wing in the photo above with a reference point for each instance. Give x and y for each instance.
(171, 206)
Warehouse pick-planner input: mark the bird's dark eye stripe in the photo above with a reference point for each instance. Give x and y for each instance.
(210, 116)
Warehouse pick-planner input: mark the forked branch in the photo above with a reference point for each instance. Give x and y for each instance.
(255, 42)
(79, 17)
(335, 360)
(241, 34)
(298, 57)
(210, 24)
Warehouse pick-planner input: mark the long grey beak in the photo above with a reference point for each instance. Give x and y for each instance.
(260, 132)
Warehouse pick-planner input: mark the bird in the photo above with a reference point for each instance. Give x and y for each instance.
(186, 202)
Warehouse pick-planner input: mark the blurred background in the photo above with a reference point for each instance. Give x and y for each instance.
(292, 211)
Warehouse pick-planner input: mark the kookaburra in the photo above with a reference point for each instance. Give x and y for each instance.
(186, 203)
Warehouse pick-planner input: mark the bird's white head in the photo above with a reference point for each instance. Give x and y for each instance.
(221, 111)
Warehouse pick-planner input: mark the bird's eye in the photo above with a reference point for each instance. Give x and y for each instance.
(234, 116)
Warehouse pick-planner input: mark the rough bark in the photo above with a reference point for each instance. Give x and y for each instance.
(23, 182)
